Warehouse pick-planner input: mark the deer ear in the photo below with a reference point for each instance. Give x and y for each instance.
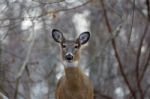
(84, 37)
(57, 35)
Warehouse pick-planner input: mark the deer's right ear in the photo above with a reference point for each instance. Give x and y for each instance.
(57, 35)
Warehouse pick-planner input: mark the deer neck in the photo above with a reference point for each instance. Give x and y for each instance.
(74, 77)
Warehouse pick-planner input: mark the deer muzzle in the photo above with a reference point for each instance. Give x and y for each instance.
(69, 57)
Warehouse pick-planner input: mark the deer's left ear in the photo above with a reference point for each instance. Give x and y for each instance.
(84, 37)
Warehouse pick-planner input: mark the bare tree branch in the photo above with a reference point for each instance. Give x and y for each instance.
(138, 9)
(138, 61)
(27, 58)
(145, 65)
(48, 13)
(116, 51)
(130, 33)
(139, 52)
(23, 67)
(148, 9)
(146, 90)
(65, 9)
(2, 96)
(53, 2)
(17, 88)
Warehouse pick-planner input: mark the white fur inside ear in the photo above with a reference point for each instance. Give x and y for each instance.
(84, 37)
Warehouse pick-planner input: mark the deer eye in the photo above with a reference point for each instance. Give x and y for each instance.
(76, 46)
(63, 46)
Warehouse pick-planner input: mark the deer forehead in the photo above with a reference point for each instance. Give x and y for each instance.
(70, 43)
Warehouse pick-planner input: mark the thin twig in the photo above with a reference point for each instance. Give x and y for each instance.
(138, 61)
(27, 58)
(148, 9)
(47, 13)
(65, 9)
(146, 90)
(10, 84)
(130, 33)
(113, 36)
(138, 9)
(139, 52)
(23, 67)
(17, 88)
(145, 65)
(28, 52)
(54, 2)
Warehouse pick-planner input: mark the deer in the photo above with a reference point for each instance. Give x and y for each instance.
(74, 84)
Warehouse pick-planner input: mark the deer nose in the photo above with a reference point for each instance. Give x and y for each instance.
(69, 57)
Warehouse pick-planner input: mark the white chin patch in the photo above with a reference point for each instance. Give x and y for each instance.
(70, 64)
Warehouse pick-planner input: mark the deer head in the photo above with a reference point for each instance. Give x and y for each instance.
(70, 48)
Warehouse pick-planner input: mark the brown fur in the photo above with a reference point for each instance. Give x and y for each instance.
(74, 85)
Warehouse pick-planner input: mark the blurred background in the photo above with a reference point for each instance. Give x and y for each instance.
(116, 58)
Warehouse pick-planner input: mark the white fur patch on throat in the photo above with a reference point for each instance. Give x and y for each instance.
(70, 64)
